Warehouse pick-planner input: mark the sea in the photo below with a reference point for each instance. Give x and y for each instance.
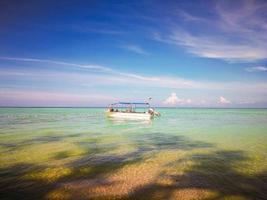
(186, 153)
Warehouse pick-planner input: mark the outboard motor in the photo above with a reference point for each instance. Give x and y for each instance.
(153, 112)
(156, 113)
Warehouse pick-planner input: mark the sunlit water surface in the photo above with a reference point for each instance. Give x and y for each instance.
(77, 153)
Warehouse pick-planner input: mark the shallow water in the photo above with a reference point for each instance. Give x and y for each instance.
(77, 153)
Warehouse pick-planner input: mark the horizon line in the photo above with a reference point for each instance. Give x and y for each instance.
(168, 107)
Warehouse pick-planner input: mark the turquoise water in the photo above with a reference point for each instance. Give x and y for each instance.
(78, 153)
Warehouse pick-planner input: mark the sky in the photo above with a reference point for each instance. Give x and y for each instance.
(93, 53)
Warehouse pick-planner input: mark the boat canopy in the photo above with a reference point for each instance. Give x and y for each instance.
(131, 103)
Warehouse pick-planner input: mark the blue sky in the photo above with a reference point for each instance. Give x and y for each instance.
(92, 53)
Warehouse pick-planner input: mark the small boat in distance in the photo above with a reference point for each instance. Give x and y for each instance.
(128, 110)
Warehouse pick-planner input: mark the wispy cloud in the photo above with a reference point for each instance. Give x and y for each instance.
(234, 33)
(216, 47)
(97, 67)
(189, 17)
(256, 69)
(106, 75)
(136, 49)
(89, 77)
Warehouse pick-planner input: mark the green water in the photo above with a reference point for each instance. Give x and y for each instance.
(77, 153)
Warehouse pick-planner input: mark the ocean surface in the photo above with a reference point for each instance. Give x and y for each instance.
(78, 153)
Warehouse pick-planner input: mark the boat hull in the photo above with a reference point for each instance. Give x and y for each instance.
(134, 116)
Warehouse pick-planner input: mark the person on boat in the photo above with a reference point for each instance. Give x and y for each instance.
(110, 109)
(130, 109)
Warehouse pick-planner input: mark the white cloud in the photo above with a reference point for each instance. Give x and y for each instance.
(101, 75)
(256, 69)
(223, 100)
(188, 17)
(136, 49)
(173, 100)
(215, 47)
(238, 32)
(87, 78)
(93, 67)
(110, 76)
(188, 101)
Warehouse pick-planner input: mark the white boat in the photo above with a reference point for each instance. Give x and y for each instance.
(133, 111)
